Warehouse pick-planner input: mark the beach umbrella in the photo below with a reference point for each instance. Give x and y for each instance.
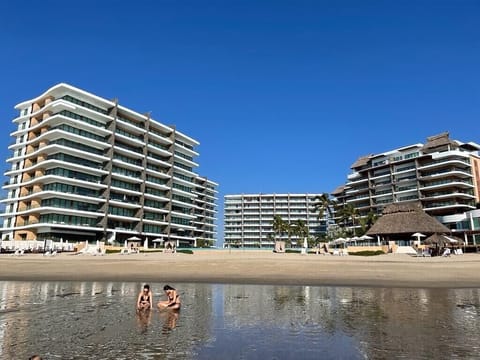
(454, 240)
(134, 238)
(418, 236)
(354, 239)
(157, 240)
(338, 241)
(436, 239)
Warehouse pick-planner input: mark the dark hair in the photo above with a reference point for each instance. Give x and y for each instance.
(146, 286)
(167, 287)
(35, 357)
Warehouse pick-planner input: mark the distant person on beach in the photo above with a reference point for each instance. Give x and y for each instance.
(173, 299)
(145, 299)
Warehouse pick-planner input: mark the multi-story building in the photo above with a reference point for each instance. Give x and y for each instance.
(248, 219)
(205, 231)
(86, 168)
(469, 225)
(443, 174)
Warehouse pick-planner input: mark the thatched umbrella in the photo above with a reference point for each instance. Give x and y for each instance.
(441, 240)
(406, 219)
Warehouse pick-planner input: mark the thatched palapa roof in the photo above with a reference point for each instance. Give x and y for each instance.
(338, 190)
(361, 161)
(439, 140)
(406, 218)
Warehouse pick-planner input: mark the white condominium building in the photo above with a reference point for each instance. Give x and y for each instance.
(443, 174)
(205, 211)
(86, 168)
(248, 219)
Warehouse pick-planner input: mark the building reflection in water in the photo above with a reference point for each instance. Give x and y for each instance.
(70, 319)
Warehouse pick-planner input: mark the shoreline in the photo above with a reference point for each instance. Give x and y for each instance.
(249, 267)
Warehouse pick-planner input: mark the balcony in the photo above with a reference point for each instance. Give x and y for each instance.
(442, 184)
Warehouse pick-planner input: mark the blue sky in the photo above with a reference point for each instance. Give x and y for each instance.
(282, 95)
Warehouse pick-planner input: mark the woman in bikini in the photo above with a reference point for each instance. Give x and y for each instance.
(145, 299)
(173, 299)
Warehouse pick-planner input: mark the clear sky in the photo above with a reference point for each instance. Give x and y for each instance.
(282, 95)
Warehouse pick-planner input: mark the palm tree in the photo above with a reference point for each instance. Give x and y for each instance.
(367, 221)
(300, 229)
(278, 226)
(348, 214)
(323, 204)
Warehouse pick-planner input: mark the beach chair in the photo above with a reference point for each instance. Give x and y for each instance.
(426, 253)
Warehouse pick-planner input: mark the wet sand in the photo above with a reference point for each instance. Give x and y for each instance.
(249, 267)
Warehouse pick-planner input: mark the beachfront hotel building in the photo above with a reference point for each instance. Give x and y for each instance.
(86, 168)
(443, 174)
(248, 218)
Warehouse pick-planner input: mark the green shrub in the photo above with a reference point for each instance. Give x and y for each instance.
(292, 251)
(367, 253)
(185, 251)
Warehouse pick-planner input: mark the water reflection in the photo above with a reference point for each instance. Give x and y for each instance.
(143, 320)
(169, 319)
(98, 320)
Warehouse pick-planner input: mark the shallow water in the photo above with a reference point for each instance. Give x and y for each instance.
(96, 320)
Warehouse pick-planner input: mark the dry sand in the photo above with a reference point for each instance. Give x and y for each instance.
(249, 267)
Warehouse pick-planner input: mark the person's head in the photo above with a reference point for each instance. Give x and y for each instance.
(146, 288)
(167, 287)
(35, 357)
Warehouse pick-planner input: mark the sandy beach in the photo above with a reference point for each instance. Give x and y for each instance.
(249, 267)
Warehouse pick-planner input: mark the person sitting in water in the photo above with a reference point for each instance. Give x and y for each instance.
(173, 301)
(145, 299)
